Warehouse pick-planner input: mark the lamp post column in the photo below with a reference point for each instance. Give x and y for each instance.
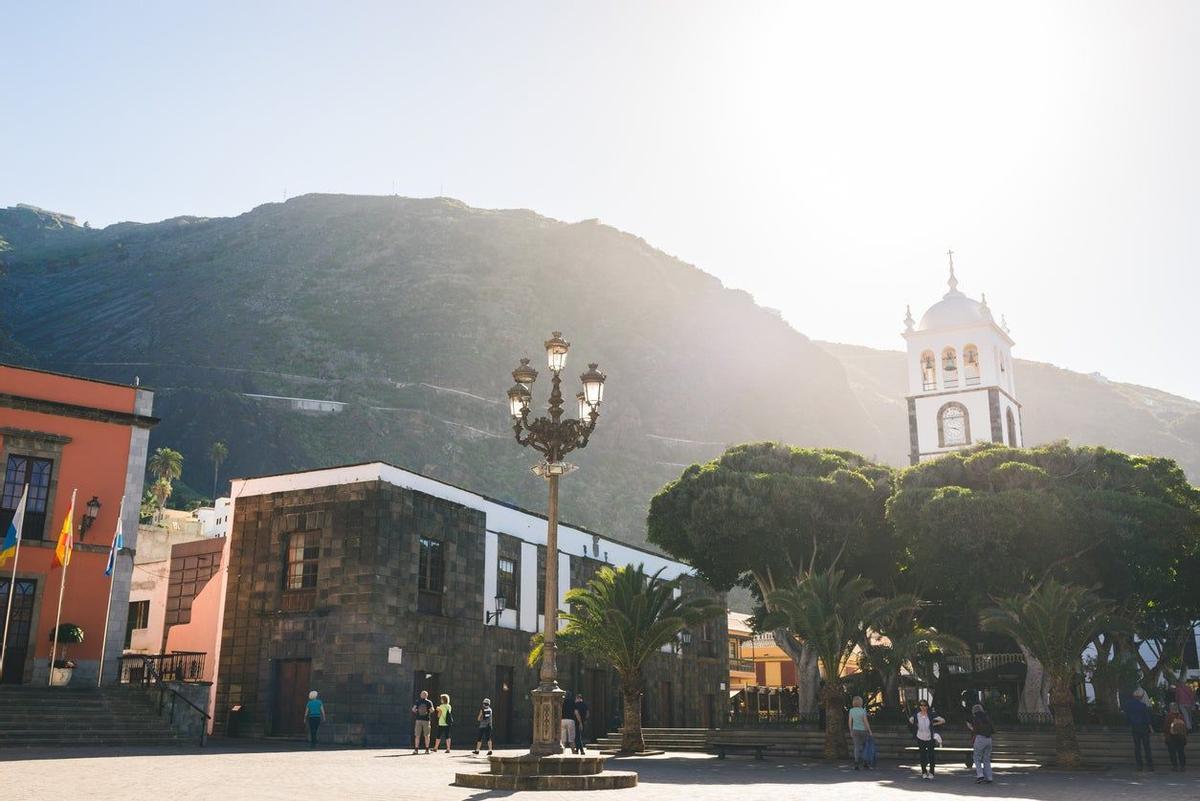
(548, 697)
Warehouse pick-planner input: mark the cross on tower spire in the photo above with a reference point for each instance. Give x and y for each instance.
(953, 282)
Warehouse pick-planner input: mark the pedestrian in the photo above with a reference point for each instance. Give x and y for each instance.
(422, 711)
(1175, 732)
(581, 716)
(566, 729)
(314, 710)
(860, 729)
(485, 726)
(445, 719)
(1138, 715)
(923, 723)
(1185, 696)
(982, 732)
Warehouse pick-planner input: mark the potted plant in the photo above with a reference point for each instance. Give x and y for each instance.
(63, 667)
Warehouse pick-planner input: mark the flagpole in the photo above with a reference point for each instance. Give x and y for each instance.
(12, 585)
(61, 586)
(111, 581)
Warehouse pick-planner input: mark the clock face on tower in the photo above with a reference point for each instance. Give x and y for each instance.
(954, 427)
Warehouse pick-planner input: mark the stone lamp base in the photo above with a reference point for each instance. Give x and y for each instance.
(548, 773)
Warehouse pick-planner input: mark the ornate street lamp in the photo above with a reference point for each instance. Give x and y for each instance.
(89, 516)
(500, 602)
(554, 437)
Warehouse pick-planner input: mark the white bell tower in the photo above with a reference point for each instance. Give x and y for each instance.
(960, 377)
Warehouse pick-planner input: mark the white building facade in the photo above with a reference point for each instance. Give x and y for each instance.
(960, 378)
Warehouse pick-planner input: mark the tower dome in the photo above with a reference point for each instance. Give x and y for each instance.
(954, 310)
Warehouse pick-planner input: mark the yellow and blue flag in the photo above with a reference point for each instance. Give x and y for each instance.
(12, 537)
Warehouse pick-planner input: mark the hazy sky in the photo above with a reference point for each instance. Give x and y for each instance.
(822, 156)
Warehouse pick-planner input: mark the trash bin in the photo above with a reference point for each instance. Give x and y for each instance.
(233, 727)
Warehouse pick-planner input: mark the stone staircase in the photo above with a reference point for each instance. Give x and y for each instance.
(660, 740)
(63, 716)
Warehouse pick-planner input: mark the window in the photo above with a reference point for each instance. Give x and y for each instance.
(954, 426)
(735, 651)
(430, 581)
(506, 581)
(19, 471)
(1012, 430)
(707, 643)
(928, 371)
(139, 614)
(950, 367)
(970, 365)
(302, 554)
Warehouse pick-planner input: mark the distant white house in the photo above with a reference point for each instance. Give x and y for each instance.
(214, 520)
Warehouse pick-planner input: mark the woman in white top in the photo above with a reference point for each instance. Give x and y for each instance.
(923, 724)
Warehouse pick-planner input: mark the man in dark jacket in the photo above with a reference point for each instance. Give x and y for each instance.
(1138, 715)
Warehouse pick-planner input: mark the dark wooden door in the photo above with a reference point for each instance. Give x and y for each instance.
(597, 701)
(291, 694)
(665, 707)
(502, 705)
(17, 635)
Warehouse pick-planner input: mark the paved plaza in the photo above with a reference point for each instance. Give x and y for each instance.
(256, 772)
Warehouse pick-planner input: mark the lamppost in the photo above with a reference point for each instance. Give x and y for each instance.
(553, 437)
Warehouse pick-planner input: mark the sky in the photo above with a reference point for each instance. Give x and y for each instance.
(822, 156)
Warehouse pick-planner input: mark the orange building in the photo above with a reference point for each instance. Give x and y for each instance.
(59, 434)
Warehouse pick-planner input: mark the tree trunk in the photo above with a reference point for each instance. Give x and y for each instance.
(631, 726)
(833, 700)
(891, 693)
(807, 678)
(1066, 746)
(1033, 694)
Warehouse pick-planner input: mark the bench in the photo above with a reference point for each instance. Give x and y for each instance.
(758, 748)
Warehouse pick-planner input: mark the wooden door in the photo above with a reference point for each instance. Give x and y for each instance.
(597, 701)
(502, 705)
(665, 708)
(291, 694)
(17, 635)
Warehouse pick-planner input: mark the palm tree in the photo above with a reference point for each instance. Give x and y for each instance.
(1055, 622)
(217, 452)
(831, 613)
(165, 465)
(903, 641)
(161, 490)
(622, 617)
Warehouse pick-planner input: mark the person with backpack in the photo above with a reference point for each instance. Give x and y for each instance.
(314, 711)
(923, 723)
(445, 714)
(982, 732)
(1175, 731)
(485, 726)
(860, 729)
(422, 711)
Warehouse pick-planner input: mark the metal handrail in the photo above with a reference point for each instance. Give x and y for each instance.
(153, 673)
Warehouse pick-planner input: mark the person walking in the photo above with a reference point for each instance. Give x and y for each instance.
(422, 712)
(1185, 696)
(566, 730)
(581, 716)
(485, 726)
(982, 732)
(445, 719)
(923, 723)
(860, 729)
(314, 711)
(1175, 731)
(1138, 715)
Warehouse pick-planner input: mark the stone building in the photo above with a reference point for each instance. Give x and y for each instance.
(370, 583)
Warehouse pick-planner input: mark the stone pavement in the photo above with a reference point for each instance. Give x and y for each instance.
(274, 772)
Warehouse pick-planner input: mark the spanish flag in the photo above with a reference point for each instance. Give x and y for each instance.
(66, 542)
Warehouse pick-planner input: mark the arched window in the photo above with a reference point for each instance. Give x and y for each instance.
(954, 426)
(970, 365)
(928, 371)
(1012, 430)
(950, 367)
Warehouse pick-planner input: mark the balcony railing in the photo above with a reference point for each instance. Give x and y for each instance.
(981, 662)
(741, 665)
(146, 669)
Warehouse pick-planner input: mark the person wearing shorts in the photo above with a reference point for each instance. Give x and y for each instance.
(485, 726)
(422, 710)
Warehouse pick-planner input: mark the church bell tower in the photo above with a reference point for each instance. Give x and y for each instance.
(960, 377)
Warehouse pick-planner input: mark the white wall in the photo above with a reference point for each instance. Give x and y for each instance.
(978, 413)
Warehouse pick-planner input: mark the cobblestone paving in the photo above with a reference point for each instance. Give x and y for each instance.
(256, 772)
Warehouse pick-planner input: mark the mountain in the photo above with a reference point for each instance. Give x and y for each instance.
(413, 313)
(1056, 404)
(408, 316)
